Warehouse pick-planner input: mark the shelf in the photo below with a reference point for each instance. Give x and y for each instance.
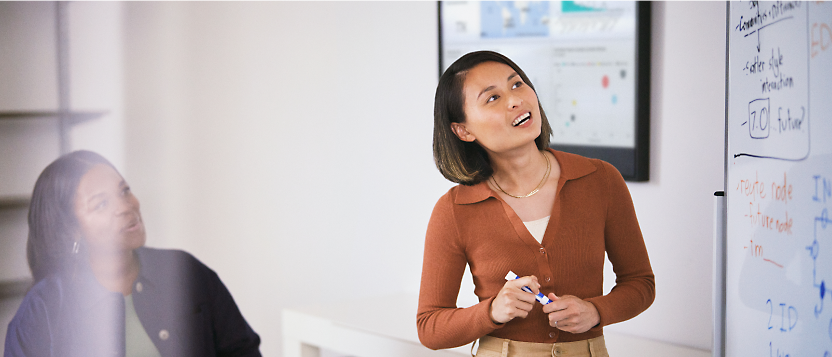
(11, 288)
(10, 202)
(74, 117)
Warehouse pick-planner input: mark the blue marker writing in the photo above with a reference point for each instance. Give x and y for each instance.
(539, 296)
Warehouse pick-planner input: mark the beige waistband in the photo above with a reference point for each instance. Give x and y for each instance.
(594, 347)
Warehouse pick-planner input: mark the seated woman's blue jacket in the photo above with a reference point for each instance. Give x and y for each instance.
(181, 303)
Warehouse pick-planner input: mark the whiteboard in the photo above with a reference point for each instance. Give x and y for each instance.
(778, 267)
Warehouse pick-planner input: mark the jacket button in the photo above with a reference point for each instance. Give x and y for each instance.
(548, 279)
(164, 335)
(542, 251)
(139, 287)
(551, 335)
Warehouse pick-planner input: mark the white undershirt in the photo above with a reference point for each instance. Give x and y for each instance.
(537, 228)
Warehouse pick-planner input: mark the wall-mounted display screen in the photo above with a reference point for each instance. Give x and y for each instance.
(583, 59)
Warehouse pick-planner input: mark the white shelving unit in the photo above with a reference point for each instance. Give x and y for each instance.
(34, 125)
(43, 114)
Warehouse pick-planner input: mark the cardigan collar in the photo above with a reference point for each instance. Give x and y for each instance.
(571, 167)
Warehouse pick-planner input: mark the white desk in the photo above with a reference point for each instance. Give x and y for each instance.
(386, 326)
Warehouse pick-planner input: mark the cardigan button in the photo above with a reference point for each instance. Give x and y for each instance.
(139, 287)
(548, 279)
(551, 335)
(542, 251)
(164, 335)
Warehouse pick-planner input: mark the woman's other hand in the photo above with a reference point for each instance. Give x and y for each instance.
(512, 301)
(571, 314)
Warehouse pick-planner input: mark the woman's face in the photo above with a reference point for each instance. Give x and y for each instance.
(108, 213)
(501, 111)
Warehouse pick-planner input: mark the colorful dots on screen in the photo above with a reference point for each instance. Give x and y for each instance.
(605, 81)
(614, 99)
(569, 122)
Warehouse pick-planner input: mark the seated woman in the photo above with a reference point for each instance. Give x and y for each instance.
(99, 292)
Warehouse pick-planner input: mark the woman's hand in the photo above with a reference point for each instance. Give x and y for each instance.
(513, 302)
(571, 314)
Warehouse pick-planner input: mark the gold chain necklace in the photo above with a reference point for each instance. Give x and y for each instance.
(539, 186)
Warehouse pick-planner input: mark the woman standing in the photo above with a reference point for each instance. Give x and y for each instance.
(546, 215)
(99, 292)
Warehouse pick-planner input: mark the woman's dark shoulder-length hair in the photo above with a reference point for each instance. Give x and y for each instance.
(460, 161)
(53, 226)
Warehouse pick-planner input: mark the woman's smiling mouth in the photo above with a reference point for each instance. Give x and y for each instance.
(521, 119)
(132, 226)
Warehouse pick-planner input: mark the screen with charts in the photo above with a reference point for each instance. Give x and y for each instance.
(580, 56)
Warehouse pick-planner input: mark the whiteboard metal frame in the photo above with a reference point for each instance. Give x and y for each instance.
(719, 290)
(720, 221)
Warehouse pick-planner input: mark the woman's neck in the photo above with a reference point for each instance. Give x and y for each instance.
(115, 270)
(519, 171)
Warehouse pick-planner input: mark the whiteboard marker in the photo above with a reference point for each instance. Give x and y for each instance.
(539, 296)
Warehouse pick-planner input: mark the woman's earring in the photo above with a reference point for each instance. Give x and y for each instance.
(75, 247)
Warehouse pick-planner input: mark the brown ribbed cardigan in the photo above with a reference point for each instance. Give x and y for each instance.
(593, 213)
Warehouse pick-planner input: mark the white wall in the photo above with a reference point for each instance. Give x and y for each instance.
(288, 146)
